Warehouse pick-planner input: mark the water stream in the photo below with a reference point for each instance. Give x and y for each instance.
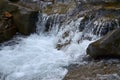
(36, 58)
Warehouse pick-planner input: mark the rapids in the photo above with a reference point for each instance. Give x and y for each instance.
(36, 58)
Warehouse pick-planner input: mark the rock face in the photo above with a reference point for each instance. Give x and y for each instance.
(23, 20)
(7, 34)
(26, 22)
(7, 26)
(108, 46)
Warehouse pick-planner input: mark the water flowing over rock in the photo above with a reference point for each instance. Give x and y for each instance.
(64, 31)
(50, 23)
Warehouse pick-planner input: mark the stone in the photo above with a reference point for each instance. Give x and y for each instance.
(26, 22)
(7, 27)
(23, 20)
(106, 47)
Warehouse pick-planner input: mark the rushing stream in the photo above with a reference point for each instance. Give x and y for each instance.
(36, 58)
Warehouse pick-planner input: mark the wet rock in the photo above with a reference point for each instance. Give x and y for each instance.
(105, 24)
(7, 27)
(23, 20)
(26, 21)
(99, 19)
(108, 46)
(7, 34)
(63, 42)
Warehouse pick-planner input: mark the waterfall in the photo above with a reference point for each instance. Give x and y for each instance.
(49, 24)
(57, 44)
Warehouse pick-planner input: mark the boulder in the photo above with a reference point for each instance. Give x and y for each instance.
(24, 18)
(26, 22)
(23, 21)
(106, 47)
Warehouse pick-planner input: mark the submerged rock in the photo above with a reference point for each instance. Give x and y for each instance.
(108, 46)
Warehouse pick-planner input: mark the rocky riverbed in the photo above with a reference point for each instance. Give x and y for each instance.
(95, 70)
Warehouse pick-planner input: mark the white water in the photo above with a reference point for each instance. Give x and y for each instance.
(36, 58)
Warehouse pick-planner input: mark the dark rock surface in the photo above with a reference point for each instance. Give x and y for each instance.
(23, 21)
(7, 34)
(24, 18)
(7, 26)
(26, 22)
(108, 46)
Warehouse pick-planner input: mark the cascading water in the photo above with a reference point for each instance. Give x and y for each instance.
(36, 57)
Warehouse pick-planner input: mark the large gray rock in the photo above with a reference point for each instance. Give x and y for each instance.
(108, 46)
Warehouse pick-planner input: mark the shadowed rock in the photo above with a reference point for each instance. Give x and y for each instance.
(108, 46)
